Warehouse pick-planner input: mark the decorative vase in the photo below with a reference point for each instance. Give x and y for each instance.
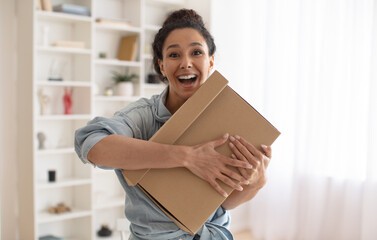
(124, 89)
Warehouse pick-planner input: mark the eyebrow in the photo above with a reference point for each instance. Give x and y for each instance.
(191, 44)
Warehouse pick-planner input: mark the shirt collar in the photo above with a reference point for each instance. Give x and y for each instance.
(162, 114)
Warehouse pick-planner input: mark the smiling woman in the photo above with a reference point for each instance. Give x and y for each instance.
(186, 65)
(184, 57)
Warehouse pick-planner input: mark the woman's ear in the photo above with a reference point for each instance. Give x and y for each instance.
(211, 63)
(161, 67)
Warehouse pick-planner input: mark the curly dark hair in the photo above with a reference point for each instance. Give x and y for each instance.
(183, 18)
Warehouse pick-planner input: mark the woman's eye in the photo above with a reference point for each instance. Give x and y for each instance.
(173, 55)
(197, 52)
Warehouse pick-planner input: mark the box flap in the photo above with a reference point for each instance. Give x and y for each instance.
(180, 121)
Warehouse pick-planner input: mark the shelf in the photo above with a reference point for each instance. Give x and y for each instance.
(65, 117)
(46, 217)
(55, 151)
(116, 98)
(52, 49)
(116, 62)
(46, 15)
(68, 182)
(115, 27)
(63, 83)
(94, 194)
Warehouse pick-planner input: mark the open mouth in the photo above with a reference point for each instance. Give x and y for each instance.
(187, 80)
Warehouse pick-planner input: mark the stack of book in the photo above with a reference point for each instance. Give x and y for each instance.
(72, 9)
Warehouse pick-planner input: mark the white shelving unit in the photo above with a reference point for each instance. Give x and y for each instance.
(94, 195)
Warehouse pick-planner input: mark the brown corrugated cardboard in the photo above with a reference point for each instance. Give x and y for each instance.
(214, 109)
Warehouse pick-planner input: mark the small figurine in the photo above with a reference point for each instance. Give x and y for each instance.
(67, 99)
(60, 208)
(102, 55)
(44, 100)
(41, 140)
(51, 175)
(104, 231)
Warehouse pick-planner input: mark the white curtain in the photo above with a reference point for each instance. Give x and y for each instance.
(309, 66)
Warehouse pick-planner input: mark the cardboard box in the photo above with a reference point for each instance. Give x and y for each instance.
(214, 109)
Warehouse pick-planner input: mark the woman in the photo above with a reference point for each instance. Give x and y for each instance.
(184, 57)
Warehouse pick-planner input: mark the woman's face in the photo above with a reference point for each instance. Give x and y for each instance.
(186, 64)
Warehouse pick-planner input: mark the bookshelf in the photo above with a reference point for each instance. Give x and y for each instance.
(94, 195)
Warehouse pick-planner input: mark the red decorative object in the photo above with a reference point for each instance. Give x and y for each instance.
(67, 99)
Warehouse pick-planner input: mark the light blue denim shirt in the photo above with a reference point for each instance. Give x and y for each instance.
(141, 120)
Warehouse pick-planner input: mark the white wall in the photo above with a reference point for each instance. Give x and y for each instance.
(8, 120)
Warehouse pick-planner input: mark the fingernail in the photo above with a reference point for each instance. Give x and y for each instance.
(246, 182)
(233, 156)
(238, 137)
(239, 188)
(226, 135)
(232, 138)
(264, 146)
(231, 145)
(225, 194)
(249, 166)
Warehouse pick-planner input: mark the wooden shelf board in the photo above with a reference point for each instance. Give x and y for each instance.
(63, 83)
(46, 15)
(116, 62)
(46, 217)
(68, 182)
(115, 27)
(64, 50)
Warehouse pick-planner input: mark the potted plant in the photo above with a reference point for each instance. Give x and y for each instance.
(123, 83)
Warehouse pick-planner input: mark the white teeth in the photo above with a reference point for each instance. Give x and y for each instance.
(187, 77)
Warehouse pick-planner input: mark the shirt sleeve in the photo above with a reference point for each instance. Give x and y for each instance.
(98, 128)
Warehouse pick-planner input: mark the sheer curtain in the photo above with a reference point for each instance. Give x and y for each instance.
(310, 66)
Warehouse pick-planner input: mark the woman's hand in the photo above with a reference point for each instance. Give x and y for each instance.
(247, 152)
(205, 162)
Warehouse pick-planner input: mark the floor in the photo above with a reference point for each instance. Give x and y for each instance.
(243, 235)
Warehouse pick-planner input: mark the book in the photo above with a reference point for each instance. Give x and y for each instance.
(72, 9)
(46, 5)
(39, 5)
(127, 48)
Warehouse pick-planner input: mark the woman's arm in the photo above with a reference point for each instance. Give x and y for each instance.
(246, 152)
(203, 160)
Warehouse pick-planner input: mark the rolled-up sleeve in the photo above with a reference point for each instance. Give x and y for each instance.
(97, 129)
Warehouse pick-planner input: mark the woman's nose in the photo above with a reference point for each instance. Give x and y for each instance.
(186, 62)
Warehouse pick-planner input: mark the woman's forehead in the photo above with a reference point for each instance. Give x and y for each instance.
(184, 37)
